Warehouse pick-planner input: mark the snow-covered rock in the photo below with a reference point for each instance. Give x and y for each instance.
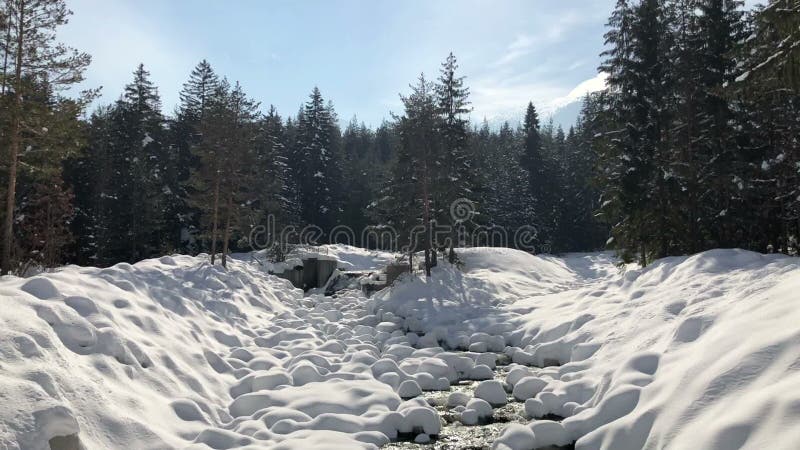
(528, 387)
(515, 437)
(481, 372)
(492, 391)
(475, 411)
(409, 389)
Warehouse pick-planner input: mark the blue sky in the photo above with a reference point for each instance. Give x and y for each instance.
(361, 53)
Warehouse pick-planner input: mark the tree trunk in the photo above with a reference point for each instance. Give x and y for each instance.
(227, 232)
(16, 125)
(427, 262)
(215, 219)
(643, 254)
(5, 54)
(426, 220)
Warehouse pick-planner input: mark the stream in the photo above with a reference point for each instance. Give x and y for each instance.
(455, 436)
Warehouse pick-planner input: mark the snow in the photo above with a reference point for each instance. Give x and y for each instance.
(476, 410)
(146, 140)
(409, 389)
(528, 387)
(515, 437)
(690, 352)
(491, 391)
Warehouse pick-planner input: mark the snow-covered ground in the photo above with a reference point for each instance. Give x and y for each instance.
(698, 352)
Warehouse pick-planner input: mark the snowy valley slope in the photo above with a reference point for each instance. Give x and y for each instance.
(692, 352)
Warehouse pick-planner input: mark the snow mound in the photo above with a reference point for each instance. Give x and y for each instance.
(690, 352)
(468, 300)
(176, 353)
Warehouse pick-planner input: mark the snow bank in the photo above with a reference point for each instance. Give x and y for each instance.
(129, 354)
(175, 353)
(694, 352)
(691, 352)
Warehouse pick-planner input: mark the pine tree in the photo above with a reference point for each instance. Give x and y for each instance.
(541, 177)
(406, 200)
(184, 137)
(224, 186)
(452, 177)
(32, 58)
(44, 205)
(639, 82)
(316, 164)
(138, 195)
(272, 172)
(768, 102)
(239, 169)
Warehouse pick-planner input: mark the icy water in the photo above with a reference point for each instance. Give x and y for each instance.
(455, 436)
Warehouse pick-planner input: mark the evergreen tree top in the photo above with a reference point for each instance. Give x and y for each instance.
(42, 58)
(197, 91)
(451, 92)
(531, 121)
(141, 93)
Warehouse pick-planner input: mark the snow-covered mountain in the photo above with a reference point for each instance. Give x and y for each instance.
(565, 116)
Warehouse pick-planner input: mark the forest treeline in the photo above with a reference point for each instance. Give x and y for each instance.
(693, 145)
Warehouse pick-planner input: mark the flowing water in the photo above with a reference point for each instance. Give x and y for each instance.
(454, 435)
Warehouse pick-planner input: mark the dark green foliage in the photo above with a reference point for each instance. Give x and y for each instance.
(315, 162)
(696, 143)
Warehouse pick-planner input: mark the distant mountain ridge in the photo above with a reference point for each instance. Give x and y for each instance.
(566, 116)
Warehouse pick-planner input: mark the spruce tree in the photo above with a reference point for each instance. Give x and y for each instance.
(360, 168)
(639, 83)
(90, 177)
(184, 137)
(316, 164)
(272, 175)
(705, 200)
(541, 178)
(769, 106)
(452, 177)
(138, 197)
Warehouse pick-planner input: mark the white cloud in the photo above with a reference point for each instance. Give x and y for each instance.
(553, 31)
(521, 46)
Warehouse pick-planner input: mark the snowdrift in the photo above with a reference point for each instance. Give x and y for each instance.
(692, 352)
(125, 355)
(175, 353)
